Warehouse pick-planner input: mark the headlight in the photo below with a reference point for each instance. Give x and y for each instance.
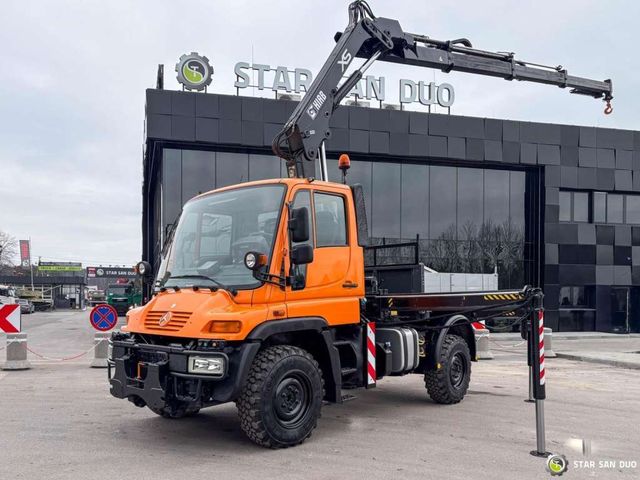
(207, 365)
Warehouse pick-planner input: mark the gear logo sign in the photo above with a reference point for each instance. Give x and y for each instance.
(194, 71)
(557, 465)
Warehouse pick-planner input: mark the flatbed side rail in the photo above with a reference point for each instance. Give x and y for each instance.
(429, 307)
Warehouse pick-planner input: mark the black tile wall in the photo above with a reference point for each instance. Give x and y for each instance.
(568, 157)
(183, 103)
(475, 149)
(379, 120)
(399, 143)
(399, 122)
(624, 159)
(493, 150)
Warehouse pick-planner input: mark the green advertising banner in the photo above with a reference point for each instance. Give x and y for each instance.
(60, 267)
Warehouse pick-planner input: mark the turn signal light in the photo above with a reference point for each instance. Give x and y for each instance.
(224, 326)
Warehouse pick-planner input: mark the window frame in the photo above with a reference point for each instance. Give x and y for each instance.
(346, 219)
(572, 206)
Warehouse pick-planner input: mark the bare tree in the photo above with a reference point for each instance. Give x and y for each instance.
(8, 249)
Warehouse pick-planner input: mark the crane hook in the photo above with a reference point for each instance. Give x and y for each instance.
(608, 109)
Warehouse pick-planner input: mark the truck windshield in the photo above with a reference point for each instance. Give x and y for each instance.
(216, 231)
(118, 290)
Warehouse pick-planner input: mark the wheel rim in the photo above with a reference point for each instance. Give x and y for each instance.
(292, 399)
(458, 370)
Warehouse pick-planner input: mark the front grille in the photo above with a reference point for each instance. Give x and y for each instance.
(178, 320)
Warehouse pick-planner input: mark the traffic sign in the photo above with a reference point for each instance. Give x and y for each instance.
(10, 318)
(103, 317)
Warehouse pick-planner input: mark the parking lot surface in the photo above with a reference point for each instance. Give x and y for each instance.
(58, 421)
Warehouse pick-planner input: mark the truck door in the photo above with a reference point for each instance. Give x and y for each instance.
(328, 287)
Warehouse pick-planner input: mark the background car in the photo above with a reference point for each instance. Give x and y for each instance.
(26, 306)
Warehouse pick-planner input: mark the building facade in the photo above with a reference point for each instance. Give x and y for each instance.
(551, 205)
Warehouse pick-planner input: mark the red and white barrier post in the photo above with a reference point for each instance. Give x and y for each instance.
(535, 349)
(371, 355)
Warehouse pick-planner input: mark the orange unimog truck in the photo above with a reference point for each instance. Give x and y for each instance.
(262, 297)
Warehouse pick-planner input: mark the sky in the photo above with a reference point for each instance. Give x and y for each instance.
(73, 76)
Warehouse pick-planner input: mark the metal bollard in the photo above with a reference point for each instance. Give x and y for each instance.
(101, 350)
(548, 337)
(482, 345)
(16, 352)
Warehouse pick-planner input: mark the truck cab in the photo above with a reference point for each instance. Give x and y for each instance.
(123, 296)
(218, 229)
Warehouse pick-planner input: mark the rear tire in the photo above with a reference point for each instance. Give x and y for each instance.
(449, 383)
(281, 400)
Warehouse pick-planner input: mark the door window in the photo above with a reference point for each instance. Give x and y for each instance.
(331, 226)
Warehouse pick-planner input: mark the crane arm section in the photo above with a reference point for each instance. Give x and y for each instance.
(300, 142)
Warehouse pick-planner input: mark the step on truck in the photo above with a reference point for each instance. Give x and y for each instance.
(262, 297)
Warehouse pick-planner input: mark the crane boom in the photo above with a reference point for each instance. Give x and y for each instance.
(375, 38)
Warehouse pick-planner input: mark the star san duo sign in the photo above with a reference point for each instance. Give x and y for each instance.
(195, 72)
(298, 80)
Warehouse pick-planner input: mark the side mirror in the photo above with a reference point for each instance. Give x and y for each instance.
(255, 260)
(302, 254)
(299, 224)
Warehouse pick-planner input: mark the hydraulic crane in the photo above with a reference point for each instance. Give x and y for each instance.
(301, 141)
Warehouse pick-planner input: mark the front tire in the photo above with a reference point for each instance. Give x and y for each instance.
(281, 400)
(449, 383)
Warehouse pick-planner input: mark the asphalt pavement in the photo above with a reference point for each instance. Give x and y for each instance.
(58, 421)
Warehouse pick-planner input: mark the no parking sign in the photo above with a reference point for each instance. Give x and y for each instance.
(103, 317)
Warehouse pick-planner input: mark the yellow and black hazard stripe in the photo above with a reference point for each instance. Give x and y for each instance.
(503, 296)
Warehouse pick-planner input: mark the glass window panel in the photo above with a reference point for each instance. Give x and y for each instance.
(264, 167)
(414, 201)
(171, 185)
(442, 202)
(386, 200)
(231, 168)
(565, 206)
(565, 296)
(470, 202)
(580, 207)
(614, 208)
(496, 196)
(360, 172)
(599, 207)
(331, 227)
(633, 209)
(517, 185)
(198, 173)
(335, 175)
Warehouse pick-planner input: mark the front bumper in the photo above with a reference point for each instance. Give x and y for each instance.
(157, 376)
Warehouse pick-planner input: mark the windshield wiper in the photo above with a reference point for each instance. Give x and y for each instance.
(221, 285)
